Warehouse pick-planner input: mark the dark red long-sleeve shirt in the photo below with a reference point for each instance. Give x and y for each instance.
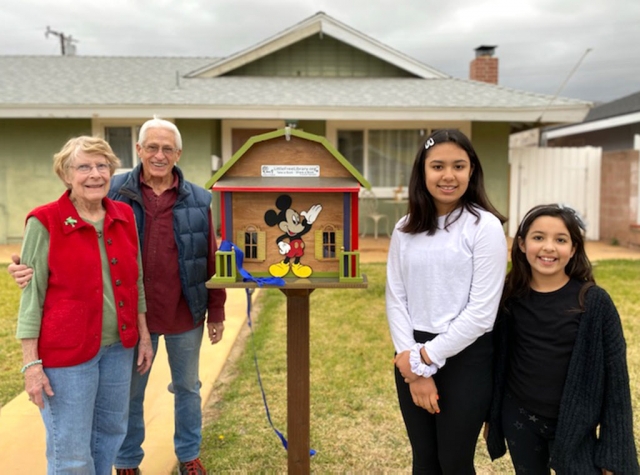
(167, 308)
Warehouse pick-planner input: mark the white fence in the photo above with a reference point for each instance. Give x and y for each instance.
(556, 175)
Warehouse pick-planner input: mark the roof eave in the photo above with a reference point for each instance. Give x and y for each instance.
(591, 126)
(558, 114)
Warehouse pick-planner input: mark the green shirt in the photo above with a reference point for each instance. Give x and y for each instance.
(35, 254)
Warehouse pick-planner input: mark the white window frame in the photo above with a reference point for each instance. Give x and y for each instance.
(389, 191)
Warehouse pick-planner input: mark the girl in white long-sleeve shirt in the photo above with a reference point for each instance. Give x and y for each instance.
(445, 273)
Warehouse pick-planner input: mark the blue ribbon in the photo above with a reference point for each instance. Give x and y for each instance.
(247, 277)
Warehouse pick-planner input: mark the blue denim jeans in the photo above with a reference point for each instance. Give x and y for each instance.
(86, 418)
(183, 351)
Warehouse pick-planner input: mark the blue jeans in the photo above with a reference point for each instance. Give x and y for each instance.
(86, 418)
(183, 351)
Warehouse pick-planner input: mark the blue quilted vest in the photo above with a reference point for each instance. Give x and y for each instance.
(190, 228)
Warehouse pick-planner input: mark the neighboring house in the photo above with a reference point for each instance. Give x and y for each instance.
(374, 104)
(615, 128)
(611, 126)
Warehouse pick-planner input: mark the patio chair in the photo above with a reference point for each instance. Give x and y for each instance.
(369, 211)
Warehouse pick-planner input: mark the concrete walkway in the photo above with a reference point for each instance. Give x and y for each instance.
(22, 434)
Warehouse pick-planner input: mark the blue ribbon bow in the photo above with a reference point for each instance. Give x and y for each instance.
(246, 276)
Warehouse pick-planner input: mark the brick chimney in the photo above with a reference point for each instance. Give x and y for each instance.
(485, 67)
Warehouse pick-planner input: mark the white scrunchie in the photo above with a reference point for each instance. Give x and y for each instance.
(417, 366)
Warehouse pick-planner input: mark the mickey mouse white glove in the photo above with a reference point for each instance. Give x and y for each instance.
(284, 247)
(312, 214)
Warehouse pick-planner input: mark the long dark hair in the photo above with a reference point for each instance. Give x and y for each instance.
(579, 267)
(423, 215)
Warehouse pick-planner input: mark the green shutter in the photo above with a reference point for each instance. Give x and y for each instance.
(240, 241)
(339, 235)
(339, 240)
(262, 245)
(318, 245)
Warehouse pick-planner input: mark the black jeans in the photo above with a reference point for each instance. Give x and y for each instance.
(445, 443)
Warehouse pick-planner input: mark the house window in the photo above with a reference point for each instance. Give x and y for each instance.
(351, 145)
(328, 243)
(391, 154)
(122, 138)
(252, 241)
(384, 157)
(122, 135)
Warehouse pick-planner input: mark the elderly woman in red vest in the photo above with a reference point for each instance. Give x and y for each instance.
(83, 312)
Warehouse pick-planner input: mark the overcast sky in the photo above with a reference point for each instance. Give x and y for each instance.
(539, 42)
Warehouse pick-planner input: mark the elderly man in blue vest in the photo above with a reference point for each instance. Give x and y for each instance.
(178, 249)
(178, 256)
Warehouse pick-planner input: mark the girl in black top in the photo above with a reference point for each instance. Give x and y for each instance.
(561, 393)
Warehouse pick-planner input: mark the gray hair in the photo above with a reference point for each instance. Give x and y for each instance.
(158, 123)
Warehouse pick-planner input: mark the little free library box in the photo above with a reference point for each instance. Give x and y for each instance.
(289, 202)
(289, 206)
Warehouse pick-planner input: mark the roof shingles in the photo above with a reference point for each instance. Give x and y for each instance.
(137, 81)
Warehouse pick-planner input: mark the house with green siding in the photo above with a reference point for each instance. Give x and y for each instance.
(373, 103)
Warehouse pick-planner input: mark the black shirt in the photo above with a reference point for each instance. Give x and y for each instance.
(543, 329)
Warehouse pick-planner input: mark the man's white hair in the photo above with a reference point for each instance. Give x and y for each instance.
(158, 123)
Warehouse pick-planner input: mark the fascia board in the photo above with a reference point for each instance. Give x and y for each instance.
(560, 115)
(256, 52)
(381, 51)
(592, 126)
(316, 25)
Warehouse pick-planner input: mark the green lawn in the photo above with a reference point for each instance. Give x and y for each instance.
(355, 422)
(11, 381)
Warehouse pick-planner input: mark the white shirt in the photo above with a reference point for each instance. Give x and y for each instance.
(449, 283)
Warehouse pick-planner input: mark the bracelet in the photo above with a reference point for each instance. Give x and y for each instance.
(30, 364)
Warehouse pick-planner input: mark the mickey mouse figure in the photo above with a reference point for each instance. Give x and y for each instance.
(294, 227)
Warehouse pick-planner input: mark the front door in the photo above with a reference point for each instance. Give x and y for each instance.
(240, 136)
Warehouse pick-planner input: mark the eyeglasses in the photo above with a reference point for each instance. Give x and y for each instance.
(86, 169)
(153, 149)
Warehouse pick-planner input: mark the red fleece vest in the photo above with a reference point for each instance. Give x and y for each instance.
(71, 329)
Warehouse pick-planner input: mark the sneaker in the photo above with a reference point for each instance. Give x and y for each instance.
(193, 467)
(127, 471)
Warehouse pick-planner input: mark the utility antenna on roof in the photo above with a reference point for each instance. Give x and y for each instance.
(555, 96)
(67, 48)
